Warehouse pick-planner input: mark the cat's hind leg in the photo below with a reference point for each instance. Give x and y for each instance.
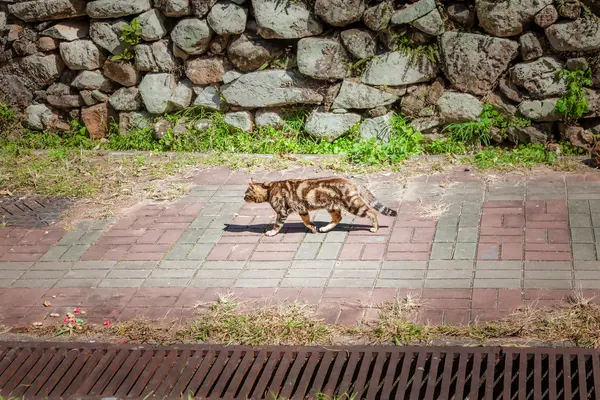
(336, 217)
(306, 220)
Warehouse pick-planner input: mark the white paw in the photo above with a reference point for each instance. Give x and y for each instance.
(272, 232)
(373, 230)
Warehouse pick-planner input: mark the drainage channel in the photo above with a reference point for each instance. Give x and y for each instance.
(93, 371)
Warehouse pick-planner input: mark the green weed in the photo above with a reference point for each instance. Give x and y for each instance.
(131, 33)
(445, 146)
(523, 156)
(7, 117)
(574, 104)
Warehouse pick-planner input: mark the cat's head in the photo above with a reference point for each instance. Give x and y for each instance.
(257, 192)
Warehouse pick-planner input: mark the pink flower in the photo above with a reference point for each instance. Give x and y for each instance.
(106, 323)
(66, 319)
(77, 310)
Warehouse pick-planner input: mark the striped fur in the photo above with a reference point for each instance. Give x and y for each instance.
(304, 195)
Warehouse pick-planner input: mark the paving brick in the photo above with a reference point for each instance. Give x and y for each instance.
(54, 253)
(450, 274)
(465, 251)
(445, 234)
(146, 265)
(423, 235)
(223, 265)
(129, 274)
(549, 256)
(586, 265)
(448, 221)
(211, 236)
(267, 265)
(587, 275)
(304, 282)
(545, 266)
(547, 284)
(467, 235)
(511, 251)
(308, 273)
(582, 235)
(217, 274)
(358, 265)
(50, 265)
(200, 251)
(71, 238)
(578, 207)
(166, 282)
(547, 275)
(15, 265)
(447, 283)
(351, 283)
(179, 252)
(451, 265)
(400, 265)
(441, 251)
(329, 251)
(584, 251)
(402, 274)
(399, 283)
(579, 221)
(34, 283)
(272, 256)
(487, 251)
(170, 264)
(257, 283)
(86, 274)
(172, 273)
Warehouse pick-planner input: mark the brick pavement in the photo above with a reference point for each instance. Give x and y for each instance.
(472, 251)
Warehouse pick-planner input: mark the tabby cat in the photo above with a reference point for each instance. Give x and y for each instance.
(304, 195)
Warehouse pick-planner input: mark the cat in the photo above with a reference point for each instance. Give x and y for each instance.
(304, 195)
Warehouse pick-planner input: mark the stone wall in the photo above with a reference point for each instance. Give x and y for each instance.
(349, 60)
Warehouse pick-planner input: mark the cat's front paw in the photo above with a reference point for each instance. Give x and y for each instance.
(373, 230)
(272, 232)
(313, 229)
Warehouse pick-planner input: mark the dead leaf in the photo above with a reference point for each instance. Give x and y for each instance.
(54, 315)
(6, 193)
(70, 315)
(47, 303)
(37, 324)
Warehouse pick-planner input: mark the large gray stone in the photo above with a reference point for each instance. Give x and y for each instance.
(269, 117)
(249, 55)
(270, 89)
(117, 8)
(152, 24)
(540, 77)
(43, 10)
(208, 97)
(459, 107)
(540, 110)
(412, 12)
(241, 120)
(39, 117)
(339, 12)
(126, 99)
(377, 18)
(287, 20)
(93, 80)
(107, 36)
(323, 125)
(535, 133)
(36, 71)
(530, 46)
(174, 8)
(361, 43)
(580, 35)
(473, 63)
(182, 95)
(398, 68)
(546, 17)
(430, 23)
(379, 127)
(192, 35)
(322, 58)
(507, 18)
(157, 57)
(201, 7)
(227, 18)
(67, 30)
(461, 13)
(81, 55)
(354, 95)
(156, 91)
(144, 59)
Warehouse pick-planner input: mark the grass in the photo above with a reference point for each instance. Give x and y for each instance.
(227, 321)
(574, 104)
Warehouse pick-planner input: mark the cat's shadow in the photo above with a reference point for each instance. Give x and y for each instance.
(294, 227)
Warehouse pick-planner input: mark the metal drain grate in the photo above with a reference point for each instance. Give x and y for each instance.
(31, 212)
(46, 370)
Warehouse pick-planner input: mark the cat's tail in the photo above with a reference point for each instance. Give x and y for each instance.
(376, 204)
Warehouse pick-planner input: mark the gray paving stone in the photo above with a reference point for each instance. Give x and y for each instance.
(34, 283)
(200, 222)
(547, 284)
(12, 275)
(465, 251)
(447, 283)
(449, 274)
(179, 251)
(451, 264)
(172, 273)
(6, 283)
(101, 224)
(594, 206)
(211, 236)
(497, 283)
(585, 275)
(52, 265)
(471, 207)
(145, 265)
(584, 196)
(220, 222)
(94, 264)
(308, 273)
(54, 253)
(402, 274)
(129, 274)
(307, 251)
(90, 237)
(217, 273)
(402, 265)
(441, 251)
(587, 265)
(75, 283)
(166, 282)
(257, 283)
(448, 221)
(351, 283)
(212, 209)
(547, 265)
(587, 284)
(75, 252)
(498, 274)
(15, 265)
(199, 251)
(303, 282)
(399, 283)
(548, 275)
(499, 265)
(579, 220)
(505, 197)
(121, 283)
(263, 274)
(336, 237)
(583, 251)
(268, 265)
(168, 264)
(582, 235)
(211, 283)
(191, 236)
(223, 265)
(314, 238)
(71, 238)
(468, 220)
(445, 234)
(329, 251)
(315, 264)
(357, 265)
(596, 219)
(49, 274)
(354, 273)
(86, 274)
